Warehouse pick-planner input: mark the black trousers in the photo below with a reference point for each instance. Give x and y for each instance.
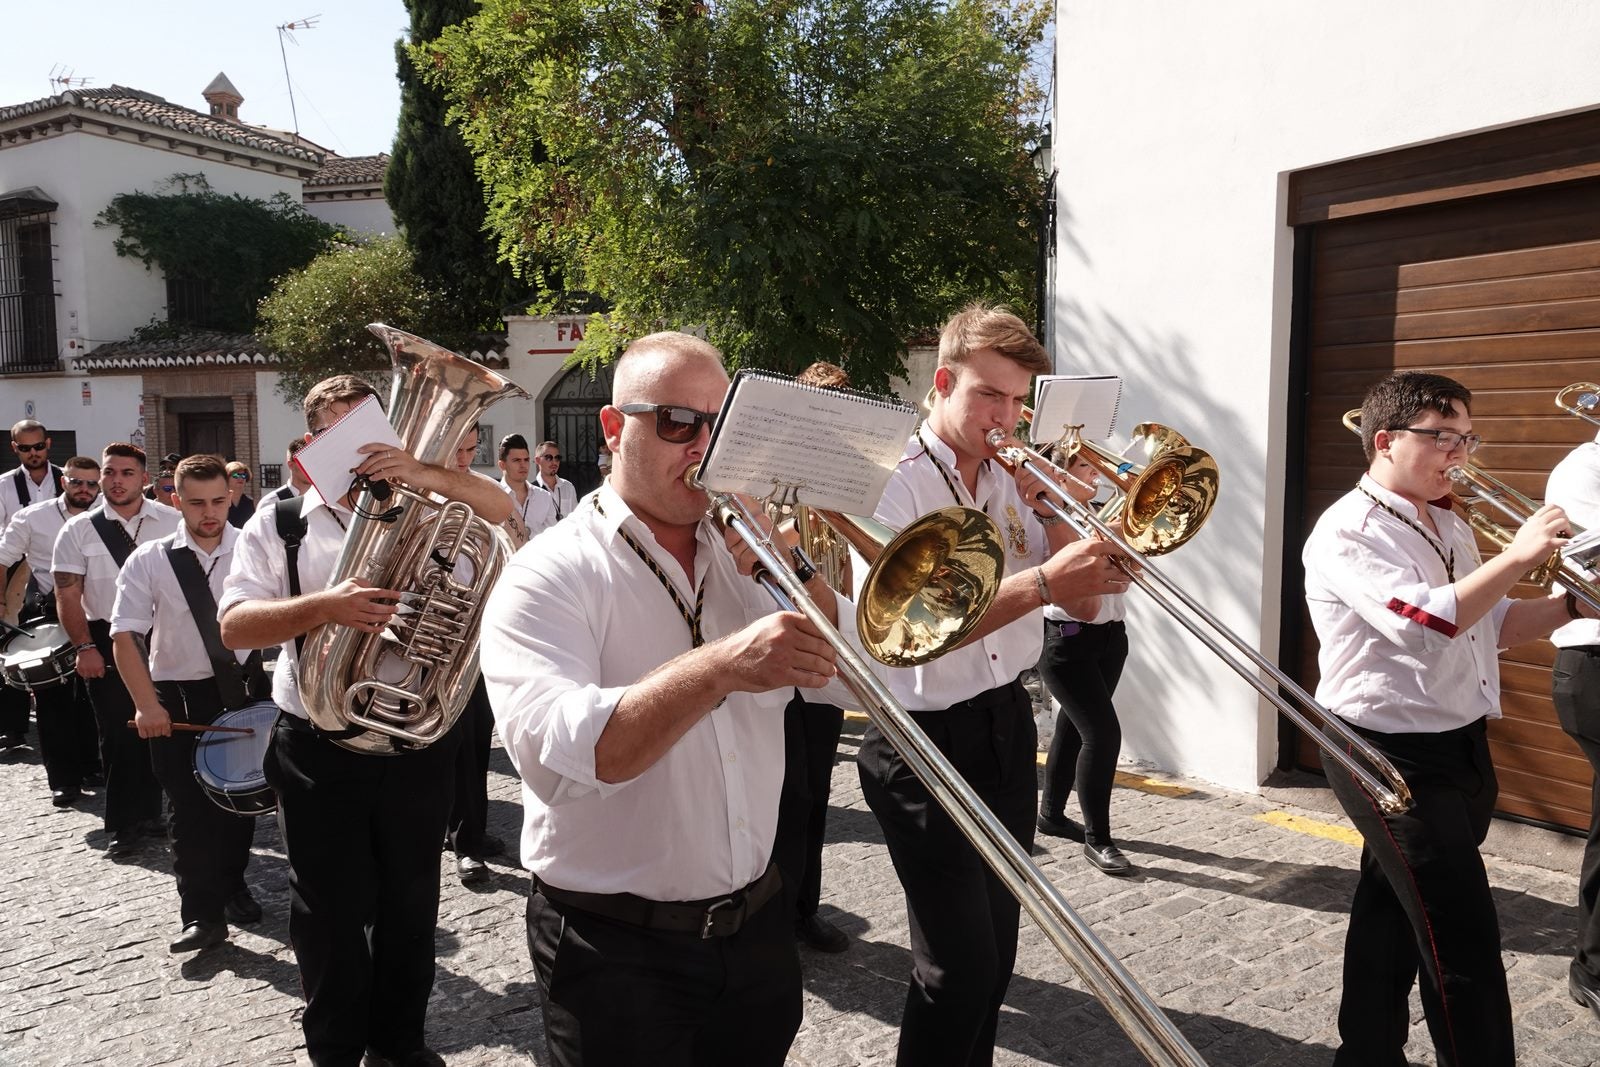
(616, 995)
(363, 835)
(68, 739)
(469, 811)
(210, 845)
(810, 741)
(963, 920)
(1081, 670)
(1576, 688)
(13, 712)
(132, 792)
(1422, 906)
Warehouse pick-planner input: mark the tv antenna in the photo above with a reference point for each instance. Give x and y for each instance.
(61, 77)
(287, 30)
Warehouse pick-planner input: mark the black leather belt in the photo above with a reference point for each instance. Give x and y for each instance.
(714, 917)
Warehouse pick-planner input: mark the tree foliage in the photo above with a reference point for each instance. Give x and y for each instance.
(316, 319)
(231, 246)
(808, 179)
(433, 192)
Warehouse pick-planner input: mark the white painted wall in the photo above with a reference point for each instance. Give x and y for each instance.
(109, 413)
(276, 421)
(537, 350)
(1175, 129)
(361, 216)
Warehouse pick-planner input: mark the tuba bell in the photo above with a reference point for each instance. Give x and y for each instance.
(403, 689)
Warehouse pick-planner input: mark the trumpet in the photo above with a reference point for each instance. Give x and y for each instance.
(889, 579)
(1483, 490)
(1391, 793)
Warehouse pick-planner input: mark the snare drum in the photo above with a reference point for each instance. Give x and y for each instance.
(228, 766)
(38, 659)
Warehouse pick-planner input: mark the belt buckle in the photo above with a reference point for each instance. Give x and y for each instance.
(708, 927)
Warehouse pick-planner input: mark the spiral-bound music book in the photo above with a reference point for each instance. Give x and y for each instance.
(1086, 401)
(828, 448)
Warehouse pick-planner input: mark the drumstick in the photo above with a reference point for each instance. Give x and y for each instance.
(191, 728)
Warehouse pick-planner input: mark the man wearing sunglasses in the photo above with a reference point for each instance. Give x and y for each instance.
(1409, 622)
(563, 494)
(33, 480)
(68, 739)
(638, 678)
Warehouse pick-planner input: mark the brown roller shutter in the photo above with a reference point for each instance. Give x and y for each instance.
(1500, 291)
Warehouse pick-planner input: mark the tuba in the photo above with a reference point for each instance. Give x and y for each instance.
(402, 689)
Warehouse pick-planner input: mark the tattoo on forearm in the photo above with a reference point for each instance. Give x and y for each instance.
(65, 580)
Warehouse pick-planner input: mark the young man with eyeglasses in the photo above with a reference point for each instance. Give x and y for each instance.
(1410, 622)
(562, 492)
(68, 738)
(536, 511)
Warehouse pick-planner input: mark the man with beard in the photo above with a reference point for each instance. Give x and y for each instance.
(34, 480)
(89, 552)
(563, 494)
(67, 734)
(167, 593)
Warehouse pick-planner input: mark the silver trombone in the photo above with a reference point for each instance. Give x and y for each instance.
(1147, 1026)
(1392, 794)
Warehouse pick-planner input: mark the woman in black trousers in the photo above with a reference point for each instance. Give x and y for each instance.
(1081, 664)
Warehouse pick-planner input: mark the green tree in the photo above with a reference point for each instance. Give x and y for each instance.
(808, 179)
(435, 195)
(315, 320)
(222, 251)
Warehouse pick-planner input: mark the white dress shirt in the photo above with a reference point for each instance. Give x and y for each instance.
(1384, 607)
(564, 496)
(10, 504)
(567, 630)
(916, 488)
(1574, 486)
(150, 601)
(79, 549)
(31, 535)
(260, 571)
(1113, 608)
(269, 500)
(537, 512)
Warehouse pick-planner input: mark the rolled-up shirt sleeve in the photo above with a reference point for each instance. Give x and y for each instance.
(260, 569)
(67, 558)
(135, 607)
(1380, 584)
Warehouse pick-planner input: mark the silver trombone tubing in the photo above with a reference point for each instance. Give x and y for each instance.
(1146, 1025)
(1393, 795)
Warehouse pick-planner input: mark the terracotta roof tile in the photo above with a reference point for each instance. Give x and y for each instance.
(351, 170)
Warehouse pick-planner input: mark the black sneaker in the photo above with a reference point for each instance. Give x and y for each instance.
(11, 741)
(1059, 826)
(242, 908)
(63, 798)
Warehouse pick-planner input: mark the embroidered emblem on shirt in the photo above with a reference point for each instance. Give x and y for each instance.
(1016, 533)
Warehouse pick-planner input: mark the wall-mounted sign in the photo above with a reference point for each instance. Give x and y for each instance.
(88, 396)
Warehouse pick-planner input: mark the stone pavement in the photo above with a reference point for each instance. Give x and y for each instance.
(1235, 924)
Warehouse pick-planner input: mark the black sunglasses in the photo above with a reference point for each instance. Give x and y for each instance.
(674, 425)
(40, 447)
(78, 483)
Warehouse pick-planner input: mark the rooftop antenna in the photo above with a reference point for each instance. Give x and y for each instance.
(287, 30)
(61, 76)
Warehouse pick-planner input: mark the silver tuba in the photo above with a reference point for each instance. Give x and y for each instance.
(404, 688)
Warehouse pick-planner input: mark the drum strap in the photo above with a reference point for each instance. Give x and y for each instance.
(235, 680)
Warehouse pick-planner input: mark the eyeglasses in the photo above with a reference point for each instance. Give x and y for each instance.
(674, 425)
(82, 483)
(40, 447)
(1445, 440)
(167, 487)
(554, 455)
(240, 476)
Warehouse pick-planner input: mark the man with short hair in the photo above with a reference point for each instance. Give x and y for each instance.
(89, 553)
(971, 701)
(1409, 622)
(67, 734)
(33, 480)
(562, 492)
(295, 484)
(363, 832)
(536, 511)
(167, 593)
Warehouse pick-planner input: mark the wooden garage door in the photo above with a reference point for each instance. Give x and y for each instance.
(1501, 292)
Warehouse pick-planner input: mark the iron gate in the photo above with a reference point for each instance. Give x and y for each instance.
(572, 421)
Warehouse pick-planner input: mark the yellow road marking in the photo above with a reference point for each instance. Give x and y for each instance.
(1302, 825)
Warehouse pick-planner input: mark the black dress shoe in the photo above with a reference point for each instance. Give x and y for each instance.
(1109, 859)
(153, 827)
(242, 909)
(1059, 826)
(198, 935)
(94, 781)
(422, 1057)
(471, 869)
(62, 798)
(821, 934)
(11, 741)
(1584, 991)
(123, 843)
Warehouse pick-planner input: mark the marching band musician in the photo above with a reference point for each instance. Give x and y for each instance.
(638, 677)
(68, 738)
(563, 494)
(295, 482)
(363, 832)
(89, 552)
(536, 511)
(1575, 685)
(1409, 623)
(167, 593)
(34, 480)
(971, 702)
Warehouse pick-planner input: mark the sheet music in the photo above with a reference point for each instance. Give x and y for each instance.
(835, 448)
(1086, 400)
(328, 458)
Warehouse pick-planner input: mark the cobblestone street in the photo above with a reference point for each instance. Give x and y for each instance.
(1235, 923)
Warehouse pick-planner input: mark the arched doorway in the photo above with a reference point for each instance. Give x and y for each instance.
(572, 420)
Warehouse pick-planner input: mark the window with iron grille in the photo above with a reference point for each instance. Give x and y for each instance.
(27, 285)
(188, 301)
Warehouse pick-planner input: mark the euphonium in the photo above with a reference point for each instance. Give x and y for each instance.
(405, 687)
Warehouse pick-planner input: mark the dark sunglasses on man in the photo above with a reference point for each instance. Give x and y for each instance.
(674, 425)
(40, 447)
(240, 476)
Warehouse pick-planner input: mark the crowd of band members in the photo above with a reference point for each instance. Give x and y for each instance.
(635, 676)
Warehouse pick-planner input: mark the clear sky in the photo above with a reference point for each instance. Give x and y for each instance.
(343, 70)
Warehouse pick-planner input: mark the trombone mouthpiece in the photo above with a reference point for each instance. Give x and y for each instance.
(691, 477)
(995, 437)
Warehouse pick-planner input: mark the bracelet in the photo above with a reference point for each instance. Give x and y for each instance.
(1572, 606)
(1049, 520)
(1044, 590)
(85, 647)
